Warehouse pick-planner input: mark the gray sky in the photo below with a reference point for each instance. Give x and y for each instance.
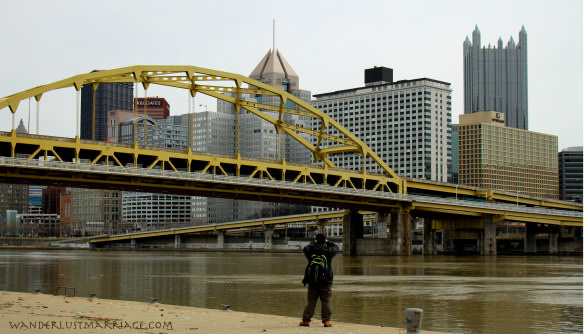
(328, 43)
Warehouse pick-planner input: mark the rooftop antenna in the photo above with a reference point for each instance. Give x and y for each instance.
(274, 35)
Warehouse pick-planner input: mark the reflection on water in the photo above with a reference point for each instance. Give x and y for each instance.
(457, 294)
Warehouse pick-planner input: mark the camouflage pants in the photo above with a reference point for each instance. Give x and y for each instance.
(324, 292)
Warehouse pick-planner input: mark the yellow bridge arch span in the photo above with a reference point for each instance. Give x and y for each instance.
(330, 138)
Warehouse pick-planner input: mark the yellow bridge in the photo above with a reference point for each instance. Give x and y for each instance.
(36, 159)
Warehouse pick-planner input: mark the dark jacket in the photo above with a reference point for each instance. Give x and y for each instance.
(327, 249)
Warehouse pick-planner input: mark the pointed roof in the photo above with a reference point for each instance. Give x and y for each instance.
(287, 68)
(273, 64)
(259, 69)
(511, 42)
(272, 67)
(21, 128)
(467, 40)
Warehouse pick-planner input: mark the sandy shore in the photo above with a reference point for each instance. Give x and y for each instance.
(41, 313)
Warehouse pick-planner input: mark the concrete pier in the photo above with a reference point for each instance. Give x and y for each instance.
(429, 237)
(489, 236)
(220, 239)
(352, 230)
(177, 241)
(530, 246)
(400, 232)
(554, 234)
(268, 231)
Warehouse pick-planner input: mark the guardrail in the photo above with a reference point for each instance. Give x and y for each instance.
(232, 179)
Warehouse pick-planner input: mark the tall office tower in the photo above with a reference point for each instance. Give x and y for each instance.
(274, 70)
(495, 78)
(108, 96)
(406, 123)
(494, 156)
(259, 138)
(570, 165)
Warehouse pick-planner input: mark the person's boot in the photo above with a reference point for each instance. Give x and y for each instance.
(305, 323)
(327, 323)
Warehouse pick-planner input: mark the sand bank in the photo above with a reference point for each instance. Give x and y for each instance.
(42, 313)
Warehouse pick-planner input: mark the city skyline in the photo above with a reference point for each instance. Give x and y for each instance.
(422, 39)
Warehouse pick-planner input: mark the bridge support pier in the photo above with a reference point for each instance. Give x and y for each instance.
(268, 231)
(400, 232)
(429, 237)
(220, 239)
(489, 236)
(554, 233)
(530, 245)
(352, 230)
(177, 241)
(132, 243)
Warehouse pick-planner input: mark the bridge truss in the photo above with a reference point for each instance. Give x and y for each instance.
(324, 138)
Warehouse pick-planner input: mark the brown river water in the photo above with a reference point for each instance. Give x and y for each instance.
(458, 294)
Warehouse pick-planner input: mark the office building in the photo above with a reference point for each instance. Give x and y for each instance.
(108, 96)
(151, 211)
(496, 157)
(406, 123)
(14, 197)
(454, 164)
(65, 205)
(95, 211)
(570, 168)
(40, 225)
(114, 119)
(154, 107)
(259, 137)
(51, 199)
(495, 78)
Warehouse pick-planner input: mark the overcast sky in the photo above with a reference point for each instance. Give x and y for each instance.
(328, 43)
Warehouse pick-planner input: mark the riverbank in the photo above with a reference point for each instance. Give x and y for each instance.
(31, 313)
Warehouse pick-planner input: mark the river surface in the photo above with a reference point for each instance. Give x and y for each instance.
(457, 294)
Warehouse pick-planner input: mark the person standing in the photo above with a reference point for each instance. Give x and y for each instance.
(319, 277)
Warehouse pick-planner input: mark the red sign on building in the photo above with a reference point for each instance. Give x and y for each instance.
(156, 107)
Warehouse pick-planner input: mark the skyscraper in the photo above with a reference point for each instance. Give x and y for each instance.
(274, 70)
(108, 96)
(495, 78)
(494, 156)
(570, 166)
(407, 123)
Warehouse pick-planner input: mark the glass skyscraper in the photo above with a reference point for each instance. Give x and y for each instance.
(108, 96)
(495, 78)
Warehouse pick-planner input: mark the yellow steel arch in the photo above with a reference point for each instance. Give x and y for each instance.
(331, 138)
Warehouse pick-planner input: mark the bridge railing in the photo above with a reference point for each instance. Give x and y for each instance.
(321, 188)
(180, 175)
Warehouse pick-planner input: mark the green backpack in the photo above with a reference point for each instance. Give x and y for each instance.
(316, 270)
